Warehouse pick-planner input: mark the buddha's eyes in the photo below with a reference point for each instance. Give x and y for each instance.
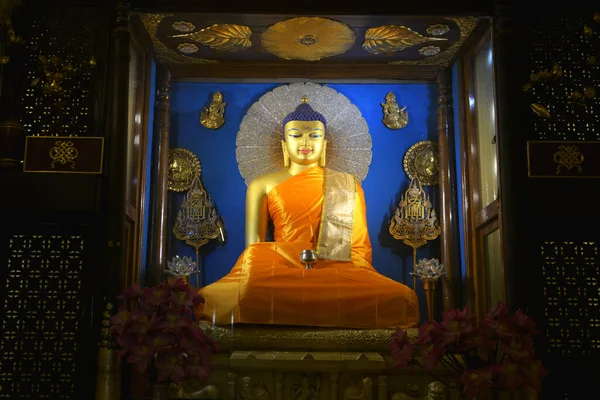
(299, 135)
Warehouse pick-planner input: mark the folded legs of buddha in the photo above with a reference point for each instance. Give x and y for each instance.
(310, 207)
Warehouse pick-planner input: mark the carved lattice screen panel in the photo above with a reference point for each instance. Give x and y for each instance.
(70, 34)
(573, 44)
(571, 279)
(41, 316)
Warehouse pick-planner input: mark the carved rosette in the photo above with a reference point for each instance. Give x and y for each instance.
(309, 39)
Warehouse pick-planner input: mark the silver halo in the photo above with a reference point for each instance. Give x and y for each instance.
(259, 138)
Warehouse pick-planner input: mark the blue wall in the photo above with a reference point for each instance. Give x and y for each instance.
(459, 188)
(384, 184)
(148, 150)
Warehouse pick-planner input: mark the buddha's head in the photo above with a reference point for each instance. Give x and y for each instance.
(304, 136)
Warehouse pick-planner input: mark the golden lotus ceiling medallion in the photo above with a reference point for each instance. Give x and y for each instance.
(163, 53)
(307, 38)
(187, 48)
(464, 27)
(437, 29)
(392, 38)
(222, 37)
(183, 26)
(429, 51)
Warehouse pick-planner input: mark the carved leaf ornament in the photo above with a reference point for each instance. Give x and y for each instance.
(392, 38)
(223, 37)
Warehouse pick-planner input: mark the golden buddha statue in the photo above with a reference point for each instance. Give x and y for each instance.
(311, 208)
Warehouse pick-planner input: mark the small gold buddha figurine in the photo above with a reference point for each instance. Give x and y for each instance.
(213, 116)
(394, 117)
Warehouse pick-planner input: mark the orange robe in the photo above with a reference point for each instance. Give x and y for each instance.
(269, 284)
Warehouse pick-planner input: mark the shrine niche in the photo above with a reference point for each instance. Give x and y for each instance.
(303, 132)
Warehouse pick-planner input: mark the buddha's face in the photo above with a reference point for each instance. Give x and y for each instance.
(304, 141)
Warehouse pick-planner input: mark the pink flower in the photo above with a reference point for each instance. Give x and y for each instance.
(524, 324)
(170, 365)
(155, 296)
(455, 325)
(183, 298)
(118, 321)
(161, 333)
(141, 355)
(498, 312)
(509, 375)
(194, 342)
(499, 323)
(139, 322)
(533, 373)
(519, 349)
(173, 321)
(497, 352)
(431, 356)
(428, 332)
(178, 285)
(402, 350)
(480, 343)
(476, 381)
(162, 341)
(399, 337)
(134, 292)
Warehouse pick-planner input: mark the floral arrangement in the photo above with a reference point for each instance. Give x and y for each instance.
(159, 336)
(429, 269)
(496, 354)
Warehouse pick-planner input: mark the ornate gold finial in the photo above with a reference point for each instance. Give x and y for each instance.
(304, 99)
(197, 221)
(415, 221)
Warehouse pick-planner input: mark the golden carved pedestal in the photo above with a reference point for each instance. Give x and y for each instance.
(297, 363)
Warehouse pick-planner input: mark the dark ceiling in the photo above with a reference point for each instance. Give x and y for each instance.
(176, 46)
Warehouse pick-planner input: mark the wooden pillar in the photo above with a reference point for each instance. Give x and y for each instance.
(162, 117)
(448, 203)
(512, 157)
(114, 196)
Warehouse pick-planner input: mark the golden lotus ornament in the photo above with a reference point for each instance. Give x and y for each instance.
(307, 38)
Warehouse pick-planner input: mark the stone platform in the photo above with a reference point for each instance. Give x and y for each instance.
(298, 363)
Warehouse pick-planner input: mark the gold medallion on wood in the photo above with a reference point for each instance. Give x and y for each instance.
(422, 160)
(184, 168)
